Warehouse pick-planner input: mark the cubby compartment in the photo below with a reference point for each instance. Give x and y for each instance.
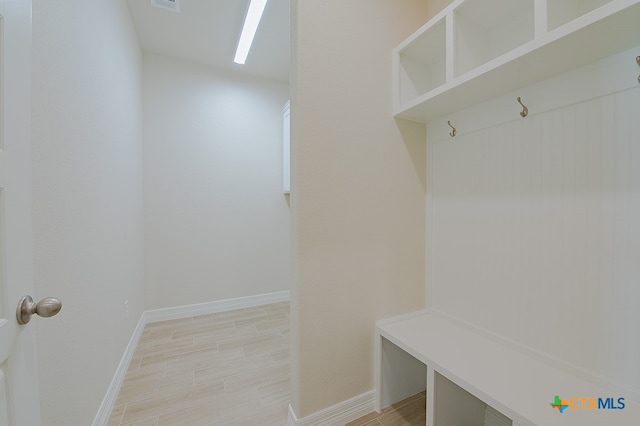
(560, 12)
(487, 29)
(455, 406)
(476, 50)
(422, 63)
(402, 375)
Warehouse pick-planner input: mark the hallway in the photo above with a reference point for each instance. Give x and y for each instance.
(227, 368)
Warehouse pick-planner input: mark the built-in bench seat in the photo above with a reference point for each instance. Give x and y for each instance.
(470, 376)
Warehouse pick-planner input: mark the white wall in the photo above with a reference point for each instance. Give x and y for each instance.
(216, 220)
(358, 191)
(87, 177)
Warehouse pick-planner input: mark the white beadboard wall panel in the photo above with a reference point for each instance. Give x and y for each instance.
(534, 232)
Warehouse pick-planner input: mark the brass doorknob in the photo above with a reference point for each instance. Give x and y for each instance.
(47, 307)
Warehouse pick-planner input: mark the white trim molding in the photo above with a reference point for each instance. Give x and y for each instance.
(339, 414)
(156, 315)
(179, 312)
(104, 412)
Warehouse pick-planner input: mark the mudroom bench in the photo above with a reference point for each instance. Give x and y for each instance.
(475, 379)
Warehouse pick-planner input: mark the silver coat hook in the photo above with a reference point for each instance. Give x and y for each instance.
(453, 132)
(525, 110)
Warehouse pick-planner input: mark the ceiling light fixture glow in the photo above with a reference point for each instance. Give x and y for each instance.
(251, 21)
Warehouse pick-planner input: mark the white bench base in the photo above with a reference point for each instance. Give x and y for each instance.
(465, 371)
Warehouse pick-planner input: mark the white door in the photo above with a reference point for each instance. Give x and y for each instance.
(19, 403)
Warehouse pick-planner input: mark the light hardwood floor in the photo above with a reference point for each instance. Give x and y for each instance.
(228, 368)
(409, 412)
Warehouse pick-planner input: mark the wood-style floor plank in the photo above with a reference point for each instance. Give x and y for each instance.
(228, 368)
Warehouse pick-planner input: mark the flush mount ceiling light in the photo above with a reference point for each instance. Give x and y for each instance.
(251, 21)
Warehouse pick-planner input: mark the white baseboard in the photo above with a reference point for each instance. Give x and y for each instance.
(338, 414)
(104, 412)
(217, 306)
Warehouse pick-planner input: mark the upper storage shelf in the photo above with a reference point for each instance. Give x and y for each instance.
(476, 50)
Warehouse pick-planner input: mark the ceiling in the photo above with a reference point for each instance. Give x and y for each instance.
(207, 32)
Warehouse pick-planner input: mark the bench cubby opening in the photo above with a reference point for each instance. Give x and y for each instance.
(402, 374)
(455, 406)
